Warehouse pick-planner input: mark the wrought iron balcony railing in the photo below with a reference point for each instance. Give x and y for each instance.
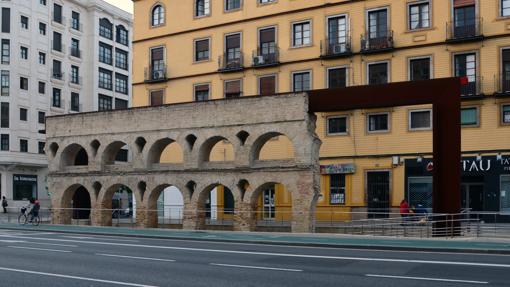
(466, 31)
(155, 74)
(371, 43)
(230, 63)
(336, 47)
(264, 59)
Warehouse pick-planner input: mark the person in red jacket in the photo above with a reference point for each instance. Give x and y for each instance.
(404, 208)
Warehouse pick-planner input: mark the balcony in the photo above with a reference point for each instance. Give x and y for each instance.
(230, 64)
(58, 20)
(5, 91)
(332, 48)
(57, 75)
(155, 74)
(75, 80)
(466, 32)
(377, 44)
(75, 25)
(473, 89)
(264, 59)
(502, 85)
(75, 107)
(75, 52)
(57, 47)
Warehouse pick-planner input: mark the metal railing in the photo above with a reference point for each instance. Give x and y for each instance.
(421, 225)
(375, 43)
(337, 46)
(75, 52)
(154, 74)
(75, 80)
(77, 26)
(466, 31)
(261, 58)
(472, 88)
(228, 63)
(58, 47)
(58, 75)
(502, 83)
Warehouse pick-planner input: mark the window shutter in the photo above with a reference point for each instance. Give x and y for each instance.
(233, 41)
(268, 85)
(201, 88)
(233, 87)
(460, 3)
(267, 35)
(157, 54)
(157, 98)
(506, 55)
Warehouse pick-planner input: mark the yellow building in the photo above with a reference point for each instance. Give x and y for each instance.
(372, 159)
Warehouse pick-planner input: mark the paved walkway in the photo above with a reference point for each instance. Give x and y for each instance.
(475, 245)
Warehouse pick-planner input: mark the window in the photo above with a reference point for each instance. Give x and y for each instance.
(158, 67)
(75, 102)
(57, 13)
(40, 147)
(232, 89)
(42, 88)
(24, 22)
(57, 70)
(4, 142)
(505, 69)
(337, 35)
(42, 2)
(105, 28)
(56, 99)
(42, 58)
(267, 46)
(267, 85)
(6, 51)
(378, 25)
(337, 77)
(378, 122)
(300, 81)
(23, 145)
(121, 104)
(337, 125)
(202, 8)
(105, 53)
(465, 66)
(505, 8)
(232, 5)
(41, 117)
(57, 41)
(377, 73)
(201, 50)
(104, 103)
(121, 83)
(6, 20)
(4, 115)
(158, 16)
(23, 114)
(75, 48)
(419, 69)
(301, 34)
(505, 114)
(157, 97)
(469, 116)
(42, 28)
(122, 35)
(121, 59)
(5, 82)
(23, 83)
(75, 75)
(24, 53)
(337, 189)
(420, 120)
(75, 21)
(419, 16)
(105, 79)
(24, 187)
(266, 1)
(201, 92)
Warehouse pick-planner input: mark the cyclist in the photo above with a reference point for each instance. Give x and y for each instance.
(33, 209)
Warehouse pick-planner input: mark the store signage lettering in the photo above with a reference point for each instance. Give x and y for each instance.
(338, 168)
(476, 165)
(505, 162)
(25, 178)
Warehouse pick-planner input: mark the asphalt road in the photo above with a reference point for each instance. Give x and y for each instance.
(53, 259)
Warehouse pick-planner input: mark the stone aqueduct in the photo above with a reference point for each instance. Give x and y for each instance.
(247, 123)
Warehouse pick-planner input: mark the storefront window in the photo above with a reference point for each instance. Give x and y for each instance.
(505, 193)
(337, 189)
(420, 191)
(24, 187)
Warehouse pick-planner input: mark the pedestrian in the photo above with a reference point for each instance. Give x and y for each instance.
(404, 209)
(4, 203)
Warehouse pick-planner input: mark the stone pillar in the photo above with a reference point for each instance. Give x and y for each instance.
(304, 198)
(146, 218)
(96, 217)
(244, 217)
(61, 216)
(192, 219)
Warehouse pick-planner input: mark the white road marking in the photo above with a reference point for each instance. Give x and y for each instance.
(100, 238)
(428, 279)
(52, 244)
(75, 277)
(135, 257)
(278, 254)
(12, 241)
(256, 267)
(40, 249)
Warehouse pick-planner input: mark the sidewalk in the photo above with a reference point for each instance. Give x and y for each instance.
(469, 245)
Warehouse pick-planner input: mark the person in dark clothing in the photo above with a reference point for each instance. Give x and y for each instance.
(4, 204)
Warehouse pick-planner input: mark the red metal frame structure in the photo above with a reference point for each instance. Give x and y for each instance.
(444, 95)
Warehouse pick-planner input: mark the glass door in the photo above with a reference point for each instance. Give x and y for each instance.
(464, 21)
(269, 209)
(505, 193)
(378, 194)
(337, 35)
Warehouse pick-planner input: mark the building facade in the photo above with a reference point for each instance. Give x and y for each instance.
(213, 49)
(58, 57)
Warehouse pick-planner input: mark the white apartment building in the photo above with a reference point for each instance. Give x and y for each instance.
(57, 56)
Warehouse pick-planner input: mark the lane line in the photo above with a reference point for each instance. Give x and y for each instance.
(427, 279)
(74, 277)
(135, 257)
(274, 254)
(98, 238)
(51, 244)
(40, 249)
(255, 267)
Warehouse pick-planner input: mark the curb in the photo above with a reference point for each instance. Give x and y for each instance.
(280, 243)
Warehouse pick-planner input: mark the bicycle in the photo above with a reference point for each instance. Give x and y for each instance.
(25, 218)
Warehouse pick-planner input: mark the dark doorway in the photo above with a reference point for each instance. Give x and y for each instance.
(378, 194)
(81, 204)
(472, 196)
(81, 158)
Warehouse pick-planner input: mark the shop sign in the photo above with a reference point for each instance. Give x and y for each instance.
(505, 163)
(338, 168)
(471, 165)
(25, 178)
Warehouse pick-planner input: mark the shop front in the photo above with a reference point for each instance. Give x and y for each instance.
(24, 187)
(485, 183)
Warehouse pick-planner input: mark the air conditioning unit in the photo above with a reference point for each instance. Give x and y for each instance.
(338, 48)
(157, 75)
(258, 60)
